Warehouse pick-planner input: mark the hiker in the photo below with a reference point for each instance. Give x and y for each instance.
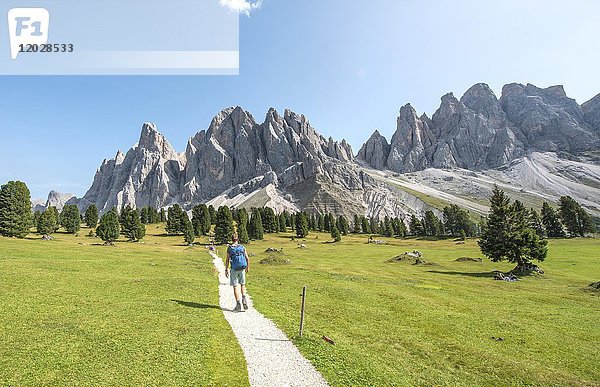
(238, 257)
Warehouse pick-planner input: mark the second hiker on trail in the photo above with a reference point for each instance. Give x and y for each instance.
(238, 258)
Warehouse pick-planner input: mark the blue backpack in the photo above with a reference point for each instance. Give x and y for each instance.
(237, 257)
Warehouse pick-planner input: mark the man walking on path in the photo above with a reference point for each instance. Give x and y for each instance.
(238, 258)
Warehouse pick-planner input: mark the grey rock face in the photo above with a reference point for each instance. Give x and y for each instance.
(549, 120)
(58, 199)
(375, 151)
(149, 174)
(591, 113)
(479, 131)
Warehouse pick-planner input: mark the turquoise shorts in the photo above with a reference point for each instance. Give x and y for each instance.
(237, 277)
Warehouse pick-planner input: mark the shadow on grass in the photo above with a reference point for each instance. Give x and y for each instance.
(197, 305)
(488, 274)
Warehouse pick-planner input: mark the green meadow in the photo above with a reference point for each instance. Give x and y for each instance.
(76, 312)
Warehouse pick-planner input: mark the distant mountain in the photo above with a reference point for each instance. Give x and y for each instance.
(480, 131)
(537, 144)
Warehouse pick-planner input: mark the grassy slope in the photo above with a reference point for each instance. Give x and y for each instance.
(85, 314)
(400, 324)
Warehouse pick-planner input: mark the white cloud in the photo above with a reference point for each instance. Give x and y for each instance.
(241, 6)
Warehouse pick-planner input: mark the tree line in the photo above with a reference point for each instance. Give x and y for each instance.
(16, 220)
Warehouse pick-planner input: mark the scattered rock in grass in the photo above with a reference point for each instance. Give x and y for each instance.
(497, 338)
(594, 286)
(47, 238)
(108, 244)
(275, 261)
(415, 257)
(459, 243)
(506, 277)
(419, 261)
(301, 246)
(467, 259)
(526, 269)
(274, 250)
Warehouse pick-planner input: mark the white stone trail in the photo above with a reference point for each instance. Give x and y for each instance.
(273, 360)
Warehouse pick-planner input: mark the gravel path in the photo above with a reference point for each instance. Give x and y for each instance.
(272, 358)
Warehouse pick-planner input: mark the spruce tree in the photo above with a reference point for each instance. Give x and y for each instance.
(301, 225)
(71, 219)
(188, 231)
(357, 226)
(108, 228)
(36, 217)
(15, 210)
(577, 221)
(343, 226)
(91, 216)
(213, 214)
(282, 223)
(335, 233)
(163, 216)
(365, 226)
(174, 220)
(551, 222)
(144, 215)
(508, 235)
(535, 222)
(388, 229)
(268, 219)
(132, 226)
(242, 232)
(416, 226)
(224, 225)
(47, 223)
(255, 229)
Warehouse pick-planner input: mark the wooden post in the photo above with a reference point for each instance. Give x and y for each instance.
(302, 310)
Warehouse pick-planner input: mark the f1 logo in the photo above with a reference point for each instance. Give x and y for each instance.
(27, 26)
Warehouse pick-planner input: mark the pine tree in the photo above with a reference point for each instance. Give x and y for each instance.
(71, 219)
(366, 228)
(108, 228)
(357, 226)
(174, 220)
(282, 223)
(163, 216)
(47, 223)
(255, 229)
(188, 231)
(213, 214)
(342, 224)
(535, 222)
(456, 219)
(15, 210)
(224, 225)
(326, 223)
(36, 217)
(551, 222)
(131, 224)
(335, 233)
(577, 221)
(321, 224)
(507, 234)
(374, 226)
(301, 225)
(242, 232)
(388, 229)
(91, 216)
(144, 215)
(416, 226)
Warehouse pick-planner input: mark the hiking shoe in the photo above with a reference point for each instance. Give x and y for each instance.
(238, 307)
(245, 303)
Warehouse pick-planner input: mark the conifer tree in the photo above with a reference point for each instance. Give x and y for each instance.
(36, 217)
(535, 222)
(242, 232)
(365, 225)
(551, 222)
(15, 210)
(224, 225)
(282, 223)
(163, 216)
(577, 221)
(357, 226)
(301, 225)
(132, 226)
(188, 231)
(47, 223)
(507, 234)
(91, 216)
(255, 229)
(342, 224)
(144, 215)
(71, 219)
(335, 233)
(108, 228)
(213, 214)
(416, 226)
(174, 220)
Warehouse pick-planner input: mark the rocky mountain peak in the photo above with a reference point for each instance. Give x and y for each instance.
(481, 99)
(375, 151)
(591, 111)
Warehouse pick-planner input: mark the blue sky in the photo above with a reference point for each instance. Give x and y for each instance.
(347, 65)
